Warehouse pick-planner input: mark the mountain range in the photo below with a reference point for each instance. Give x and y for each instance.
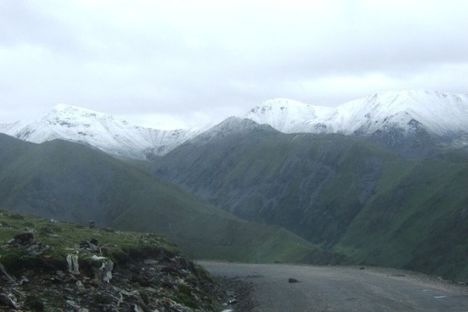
(103, 131)
(438, 113)
(346, 194)
(391, 117)
(379, 180)
(73, 182)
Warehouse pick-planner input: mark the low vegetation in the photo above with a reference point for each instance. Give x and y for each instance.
(116, 271)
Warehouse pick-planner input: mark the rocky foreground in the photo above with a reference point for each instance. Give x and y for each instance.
(50, 266)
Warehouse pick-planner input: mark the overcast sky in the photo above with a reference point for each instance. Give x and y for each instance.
(180, 63)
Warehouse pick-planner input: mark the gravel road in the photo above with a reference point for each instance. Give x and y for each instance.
(346, 289)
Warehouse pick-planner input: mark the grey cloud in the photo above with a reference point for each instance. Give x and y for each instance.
(149, 57)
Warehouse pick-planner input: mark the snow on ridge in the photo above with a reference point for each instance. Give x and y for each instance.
(440, 113)
(287, 115)
(104, 131)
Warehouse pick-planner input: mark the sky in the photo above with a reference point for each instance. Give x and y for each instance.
(178, 63)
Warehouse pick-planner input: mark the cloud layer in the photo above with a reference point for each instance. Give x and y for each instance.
(173, 63)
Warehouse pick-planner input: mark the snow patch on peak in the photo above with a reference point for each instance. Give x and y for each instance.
(286, 115)
(9, 127)
(71, 108)
(437, 112)
(77, 113)
(112, 135)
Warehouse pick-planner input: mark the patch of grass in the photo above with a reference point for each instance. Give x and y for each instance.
(64, 238)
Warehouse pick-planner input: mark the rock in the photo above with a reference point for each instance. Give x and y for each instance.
(60, 274)
(27, 241)
(80, 286)
(73, 305)
(169, 269)
(34, 303)
(292, 280)
(24, 239)
(137, 308)
(154, 282)
(8, 276)
(91, 245)
(23, 280)
(8, 300)
(73, 266)
(104, 272)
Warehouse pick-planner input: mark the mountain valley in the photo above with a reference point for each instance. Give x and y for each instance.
(378, 180)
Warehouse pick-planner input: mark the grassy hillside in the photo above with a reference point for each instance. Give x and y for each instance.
(312, 185)
(345, 193)
(72, 182)
(418, 223)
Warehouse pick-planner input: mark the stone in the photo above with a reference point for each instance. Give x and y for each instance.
(73, 266)
(8, 300)
(24, 239)
(8, 276)
(34, 303)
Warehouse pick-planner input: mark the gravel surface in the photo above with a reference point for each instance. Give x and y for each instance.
(328, 288)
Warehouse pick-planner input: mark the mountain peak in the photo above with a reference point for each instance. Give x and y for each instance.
(438, 112)
(67, 110)
(230, 126)
(112, 135)
(286, 115)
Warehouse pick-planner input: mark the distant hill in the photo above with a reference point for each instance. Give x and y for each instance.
(73, 182)
(346, 193)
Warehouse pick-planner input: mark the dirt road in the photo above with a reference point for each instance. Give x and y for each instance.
(343, 289)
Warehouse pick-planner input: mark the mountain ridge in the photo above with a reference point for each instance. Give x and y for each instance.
(103, 131)
(72, 182)
(396, 118)
(347, 194)
(440, 113)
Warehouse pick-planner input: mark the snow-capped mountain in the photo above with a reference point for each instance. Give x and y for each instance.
(438, 113)
(287, 115)
(105, 132)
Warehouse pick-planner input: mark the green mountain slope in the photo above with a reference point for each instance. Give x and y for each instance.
(345, 193)
(313, 185)
(418, 223)
(73, 182)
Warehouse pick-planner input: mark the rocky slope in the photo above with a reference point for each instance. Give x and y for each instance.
(46, 265)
